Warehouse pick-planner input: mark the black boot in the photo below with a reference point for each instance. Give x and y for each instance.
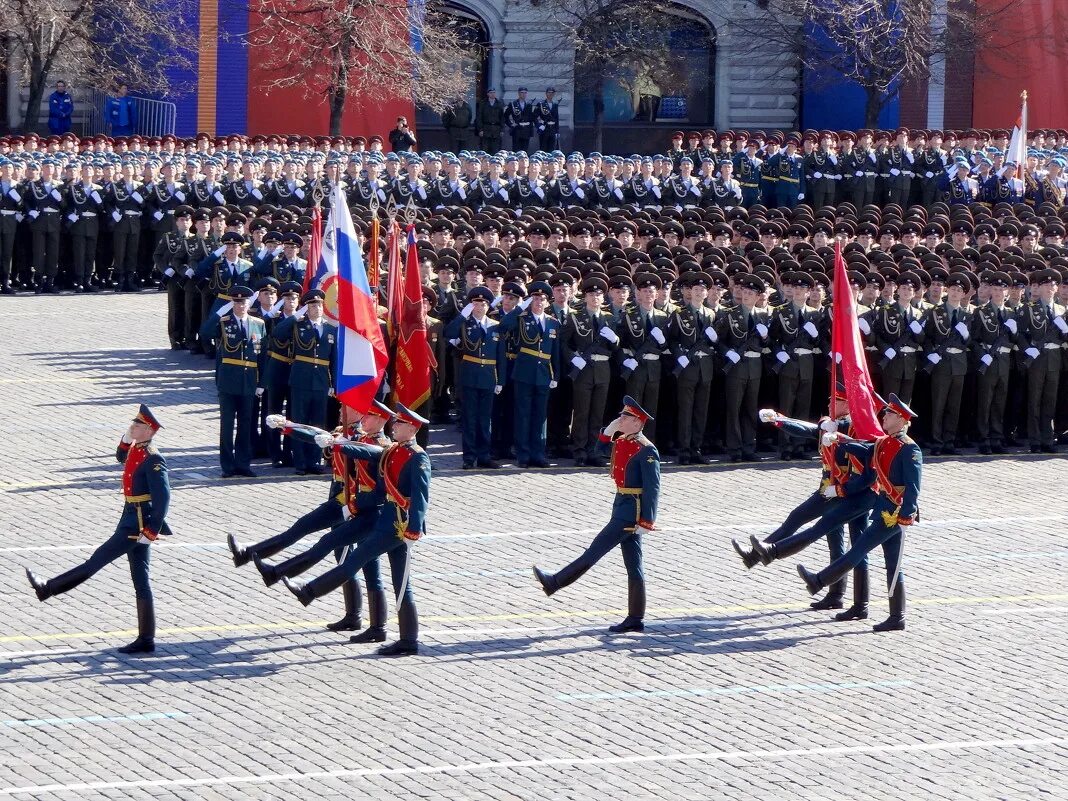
(830, 601)
(635, 609)
(299, 590)
(350, 590)
(267, 571)
(547, 580)
(407, 629)
(241, 554)
(812, 580)
(749, 557)
(765, 553)
(376, 611)
(557, 581)
(859, 609)
(896, 621)
(146, 629)
(39, 587)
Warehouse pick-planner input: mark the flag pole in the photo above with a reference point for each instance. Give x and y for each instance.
(1023, 142)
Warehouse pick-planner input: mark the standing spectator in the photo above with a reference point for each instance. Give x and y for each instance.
(121, 113)
(457, 122)
(401, 138)
(60, 109)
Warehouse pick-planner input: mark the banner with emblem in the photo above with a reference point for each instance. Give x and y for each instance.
(847, 352)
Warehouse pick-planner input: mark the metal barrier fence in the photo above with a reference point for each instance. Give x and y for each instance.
(152, 117)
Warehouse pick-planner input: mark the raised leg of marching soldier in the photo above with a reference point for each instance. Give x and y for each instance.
(325, 515)
(46, 250)
(8, 229)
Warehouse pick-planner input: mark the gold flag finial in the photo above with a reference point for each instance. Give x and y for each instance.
(1023, 95)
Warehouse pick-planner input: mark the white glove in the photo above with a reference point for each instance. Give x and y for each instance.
(278, 305)
(962, 329)
(158, 215)
(259, 392)
(817, 175)
(497, 301)
(828, 425)
(895, 171)
(986, 359)
(934, 358)
(768, 415)
(220, 250)
(465, 312)
(640, 530)
(916, 327)
(324, 440)
(525, 302)
(126, 438)
(782, 356)
(684, 361)
(1062, 326)
(189, 273)
(733, 356)
(301, 312)
(275, 421)
(829, 438)
(346, 514)
(762, 330)
(226, 308)
(811, 329)
(801, 196)
(578, 361)
(611, 428)
(890, 353)
(1011, 325)
(143, 540)
(72, 217)
(277, 250)
(862, 324)
(710, 332)
(1032, 352)
(553, 385)
(658, 335)
(830, 491)
(630, 364)
(34, 214)
(497, 389)
(609, 334)
(454, 342)
(169, 272)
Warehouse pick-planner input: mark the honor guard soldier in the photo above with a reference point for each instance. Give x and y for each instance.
(789, 170)
(288, 266)
(124, 198)
(747, 169)
(643, 340)
(239, 358)
(84, 206)
(404, 468)
(147, 495)
(1041, 334)
(589, 343)
(691, 336)
(43, 199)
(223, 270)
(898, 334)
(519, 117)
(311, 376)
(489, 118)
(794, 341)
(534, 371)
(992, 334)
(898, 464)
(947, 335)
(635, 468)
(725, 191)
(547, 121)
(742, 334)
(171, 259)
(475, 337)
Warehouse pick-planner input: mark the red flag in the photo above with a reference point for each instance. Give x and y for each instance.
(414, 361)
(315, 248)
(847, 351)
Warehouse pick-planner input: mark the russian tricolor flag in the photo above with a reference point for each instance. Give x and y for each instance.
(362, 354)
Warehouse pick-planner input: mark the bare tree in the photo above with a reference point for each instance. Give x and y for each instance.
(878, 44)
(102, 42)
(373, 48)
(615, 40)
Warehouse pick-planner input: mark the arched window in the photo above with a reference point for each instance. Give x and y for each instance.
(679, 86)
(474, 31)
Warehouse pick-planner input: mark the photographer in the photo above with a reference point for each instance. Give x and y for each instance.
(401, 138)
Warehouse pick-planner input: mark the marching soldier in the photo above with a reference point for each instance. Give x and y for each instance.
(636, 473)
(147, 494)
(237, 377)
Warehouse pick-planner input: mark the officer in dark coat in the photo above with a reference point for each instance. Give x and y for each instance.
(947, 329)
(519, 117)
(489, 118)
(692, 336)
(992, 331)
(547, 121)
(474, 335)
(794, 341)
(171, 259)
(636, 473)
(147, 494)
(457, 121)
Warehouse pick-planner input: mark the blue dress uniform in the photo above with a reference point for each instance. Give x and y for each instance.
(238, 361)
(635, 469)
(845, 495)
(147, 495)
(747, 170)
(276, 368)
(535, 371)
(898, 463)
(789, 171)
(404, 470)
(311, 376)
(479, 345)
(221, 276)
(280, 267)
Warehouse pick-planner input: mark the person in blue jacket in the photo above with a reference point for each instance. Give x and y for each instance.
(147, 496)
(898, 465)
(60, 110)
(120, 111)
(635, 466)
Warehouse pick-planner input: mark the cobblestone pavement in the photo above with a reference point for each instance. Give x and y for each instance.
(735, 691)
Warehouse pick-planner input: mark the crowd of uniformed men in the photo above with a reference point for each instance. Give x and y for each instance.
(695, 280)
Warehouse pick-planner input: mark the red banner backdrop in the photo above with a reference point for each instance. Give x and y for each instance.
(1029, 52)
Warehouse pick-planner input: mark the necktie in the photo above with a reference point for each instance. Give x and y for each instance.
(800, 318)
